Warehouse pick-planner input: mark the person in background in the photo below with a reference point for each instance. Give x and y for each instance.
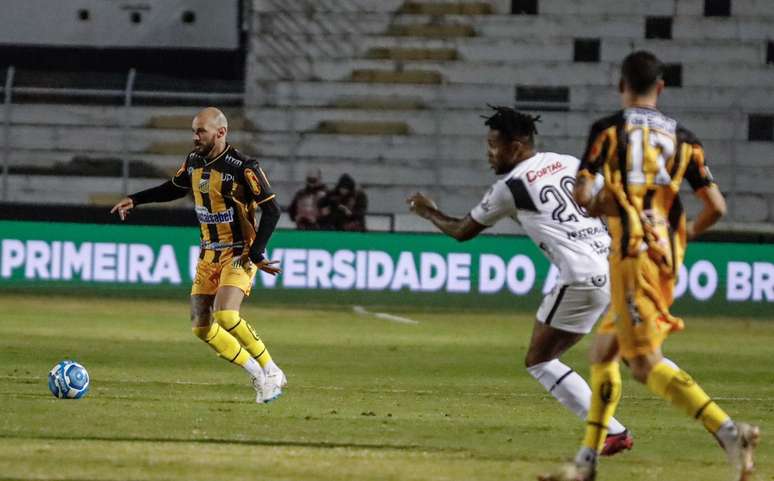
(304, 210)
(344, 207)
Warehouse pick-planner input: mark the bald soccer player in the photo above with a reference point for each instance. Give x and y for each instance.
(227, 188)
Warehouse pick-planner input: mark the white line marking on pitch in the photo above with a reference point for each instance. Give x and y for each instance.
(360, 310)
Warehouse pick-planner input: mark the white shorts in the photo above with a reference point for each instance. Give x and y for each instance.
(575, 307)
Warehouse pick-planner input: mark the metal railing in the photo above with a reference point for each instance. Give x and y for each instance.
(128, 96)
(377, 221)
(7, 91)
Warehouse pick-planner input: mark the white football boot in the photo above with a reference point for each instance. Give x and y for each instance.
(740, 452)
(275, 381)
(258, 382)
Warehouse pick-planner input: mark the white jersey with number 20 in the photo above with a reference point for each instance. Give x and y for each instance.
(538, 194)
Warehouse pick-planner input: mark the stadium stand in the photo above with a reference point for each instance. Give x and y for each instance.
(392, 91)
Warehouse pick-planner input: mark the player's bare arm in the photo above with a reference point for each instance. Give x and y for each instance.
(597, 205)
(713, 208)
(460, 229)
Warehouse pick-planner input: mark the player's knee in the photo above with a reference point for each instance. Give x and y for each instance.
(640, 371)
(227, 318)
(537, 356)
(200, 319)
(202, 332)
(200, 316)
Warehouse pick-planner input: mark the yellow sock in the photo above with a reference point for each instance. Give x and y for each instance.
(224, 343)
(605, 394)
(245, 334)
(679, 388)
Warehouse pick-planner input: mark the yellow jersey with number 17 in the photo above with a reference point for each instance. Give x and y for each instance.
(644, 156)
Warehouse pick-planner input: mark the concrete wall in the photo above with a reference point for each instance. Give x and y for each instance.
(301, 75)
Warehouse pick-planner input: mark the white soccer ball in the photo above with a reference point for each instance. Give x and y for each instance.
(68, 380)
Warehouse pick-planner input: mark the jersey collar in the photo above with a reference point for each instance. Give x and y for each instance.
(521, 165)
(228, 147)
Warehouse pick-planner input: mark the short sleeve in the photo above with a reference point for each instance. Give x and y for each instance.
(497, 203)
(697, 173)
(182, 178)
(256, 183)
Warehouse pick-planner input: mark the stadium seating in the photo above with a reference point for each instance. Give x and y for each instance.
(392, 92)
(426, 71)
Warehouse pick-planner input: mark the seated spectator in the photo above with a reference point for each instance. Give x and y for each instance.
(344, 207)
(303, 209)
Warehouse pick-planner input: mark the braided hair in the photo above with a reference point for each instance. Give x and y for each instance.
(512, 124)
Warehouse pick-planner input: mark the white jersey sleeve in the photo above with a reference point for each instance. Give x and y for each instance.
(496, 204)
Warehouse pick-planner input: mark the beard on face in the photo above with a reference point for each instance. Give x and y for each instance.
(204, 148)
(497, 166)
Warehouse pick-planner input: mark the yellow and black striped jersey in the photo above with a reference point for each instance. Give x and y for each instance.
(226, 192)
(644, 156)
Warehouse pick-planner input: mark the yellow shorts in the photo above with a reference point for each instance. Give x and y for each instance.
(640, 298)
(212, 275)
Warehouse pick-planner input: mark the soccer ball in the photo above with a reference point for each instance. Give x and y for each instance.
(68, 380)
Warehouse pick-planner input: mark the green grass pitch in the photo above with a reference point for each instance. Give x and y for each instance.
(369, 399)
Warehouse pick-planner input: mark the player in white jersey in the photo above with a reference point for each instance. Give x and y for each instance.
(536, 190)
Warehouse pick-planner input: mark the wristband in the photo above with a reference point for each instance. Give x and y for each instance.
(256, 257)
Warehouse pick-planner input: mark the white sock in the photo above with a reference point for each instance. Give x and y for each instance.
(569, 389)
(670, 363)
(727, 433)
(586, 457)
(253, 368)
(270, 366)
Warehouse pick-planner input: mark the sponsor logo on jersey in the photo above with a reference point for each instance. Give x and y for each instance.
(204, 183)
(207, 217)
(587, 233)
(652, 119)
(233, 161)
(221, 245)
(252, 181)
(533, 175)
(602, 248)
(226, 177)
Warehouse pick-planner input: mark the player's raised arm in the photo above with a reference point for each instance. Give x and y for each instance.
(260, 190)
(460, 229)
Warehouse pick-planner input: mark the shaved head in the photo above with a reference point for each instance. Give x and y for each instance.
(209, 127)
(213, 117)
